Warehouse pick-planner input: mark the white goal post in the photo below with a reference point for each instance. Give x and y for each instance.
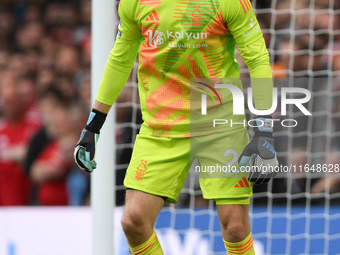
(103, 179)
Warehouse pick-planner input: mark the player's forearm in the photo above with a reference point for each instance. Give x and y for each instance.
(262, 84)
(116, 73)
(257, 59)
(104, 108)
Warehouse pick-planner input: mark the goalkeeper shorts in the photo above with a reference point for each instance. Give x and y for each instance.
(160, 165)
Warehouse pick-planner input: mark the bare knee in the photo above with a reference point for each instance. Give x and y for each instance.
(141, 210)
(134, 222)
(234, 222)
(235, 231)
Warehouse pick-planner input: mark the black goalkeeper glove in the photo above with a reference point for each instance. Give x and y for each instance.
(260, 152)
(85, 150)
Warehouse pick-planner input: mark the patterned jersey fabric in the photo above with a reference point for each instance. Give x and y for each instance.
(178, 40)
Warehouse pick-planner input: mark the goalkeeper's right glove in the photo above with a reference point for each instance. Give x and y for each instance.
(261, 153)
(85, 150)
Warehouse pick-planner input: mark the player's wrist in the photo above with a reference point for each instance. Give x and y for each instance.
(95, 121)
(264, 125)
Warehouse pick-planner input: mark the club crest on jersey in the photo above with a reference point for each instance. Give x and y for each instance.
(196, 14)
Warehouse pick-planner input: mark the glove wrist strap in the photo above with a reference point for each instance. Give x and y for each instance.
(264, 125)
(95, 121)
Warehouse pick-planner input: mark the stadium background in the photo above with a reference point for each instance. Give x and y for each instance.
(45, 61)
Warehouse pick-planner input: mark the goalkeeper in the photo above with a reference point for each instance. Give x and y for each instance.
(175, 41)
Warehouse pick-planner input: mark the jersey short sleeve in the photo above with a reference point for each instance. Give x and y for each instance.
(241, 21)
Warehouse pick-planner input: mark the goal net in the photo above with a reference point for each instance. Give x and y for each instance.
(298, 212)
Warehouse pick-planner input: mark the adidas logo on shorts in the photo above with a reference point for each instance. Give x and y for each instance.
(243, 183)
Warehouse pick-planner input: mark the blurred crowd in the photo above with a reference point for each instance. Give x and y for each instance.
(303, 39)
(45, 99)
(45, 94)
(45, 89)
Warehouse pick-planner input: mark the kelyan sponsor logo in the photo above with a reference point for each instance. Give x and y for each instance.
(158, 38)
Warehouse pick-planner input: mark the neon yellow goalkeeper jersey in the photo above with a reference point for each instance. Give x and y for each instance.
(178, 40)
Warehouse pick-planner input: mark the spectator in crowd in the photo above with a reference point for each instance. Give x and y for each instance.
(49, 158)
(16, 129)
(78, 182)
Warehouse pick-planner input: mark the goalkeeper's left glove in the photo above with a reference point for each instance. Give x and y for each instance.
(260, 152)
(85, 150)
